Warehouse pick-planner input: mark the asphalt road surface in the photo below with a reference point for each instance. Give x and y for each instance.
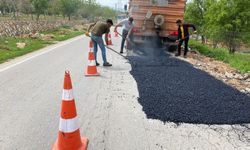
(109, 112)
(173, 90)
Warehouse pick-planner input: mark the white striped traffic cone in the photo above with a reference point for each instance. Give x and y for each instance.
(109, 40)
(69, 133)
(91, 69)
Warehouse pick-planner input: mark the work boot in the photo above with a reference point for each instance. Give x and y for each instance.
(177, 54)
(97, 64)
(107, 64)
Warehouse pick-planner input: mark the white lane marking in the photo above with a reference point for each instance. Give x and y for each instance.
(39, 54)
(68, 125)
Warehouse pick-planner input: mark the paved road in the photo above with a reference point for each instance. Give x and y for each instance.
(108, 110)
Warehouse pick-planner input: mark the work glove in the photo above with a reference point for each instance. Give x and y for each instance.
(87, 34)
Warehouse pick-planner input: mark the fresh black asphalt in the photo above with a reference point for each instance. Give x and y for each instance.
(172, 90)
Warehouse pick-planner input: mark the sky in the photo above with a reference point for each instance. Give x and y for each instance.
(113, 3)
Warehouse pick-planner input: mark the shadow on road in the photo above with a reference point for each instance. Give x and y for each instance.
(172, 90)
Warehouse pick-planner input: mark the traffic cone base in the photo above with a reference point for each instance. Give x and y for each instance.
(92, 71)
(89, 75)
(82, 146)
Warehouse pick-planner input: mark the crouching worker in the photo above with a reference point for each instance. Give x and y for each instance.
(100, 28)
(127, 26)
(183, 36)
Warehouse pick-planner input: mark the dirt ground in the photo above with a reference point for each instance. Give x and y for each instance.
(221, 71)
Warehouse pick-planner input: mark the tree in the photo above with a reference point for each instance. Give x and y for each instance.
(87, 9)
(4, 6)
(195, 13)
(227, 20)
(10, 6)
(69, 7)
(26, 7)
(93, 11)
(221, 21)
(40, 7)
(54, 7)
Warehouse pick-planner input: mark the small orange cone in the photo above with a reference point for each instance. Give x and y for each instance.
(69, 133)
(91, 69)
(109, 39)
(116, 34)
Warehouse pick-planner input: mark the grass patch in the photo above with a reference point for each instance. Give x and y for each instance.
(239, 61)
(63, 33)
(9, 50)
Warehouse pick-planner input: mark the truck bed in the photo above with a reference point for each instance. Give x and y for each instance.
(171, 12)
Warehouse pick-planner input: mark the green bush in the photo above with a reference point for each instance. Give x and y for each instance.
(238, 61)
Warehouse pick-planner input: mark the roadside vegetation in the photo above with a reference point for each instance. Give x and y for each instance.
(28, 25)
(240, 61)
(11, 47)
(43, 9)
(223, 30)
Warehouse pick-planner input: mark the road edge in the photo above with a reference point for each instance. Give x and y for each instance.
(21, 59)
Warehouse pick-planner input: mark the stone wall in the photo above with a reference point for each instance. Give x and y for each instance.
(19, 28)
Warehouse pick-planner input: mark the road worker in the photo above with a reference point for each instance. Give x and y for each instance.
(100, 28)
(127, 26)
(183, 36)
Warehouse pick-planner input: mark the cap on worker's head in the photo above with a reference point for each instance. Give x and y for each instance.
(179, 21)
(109, 21)
(131, 19)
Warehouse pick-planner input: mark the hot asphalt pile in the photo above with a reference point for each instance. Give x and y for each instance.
(172, 90)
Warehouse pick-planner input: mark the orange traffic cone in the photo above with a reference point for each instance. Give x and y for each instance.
(116, 34)
(69, 132)
(109, 39)
(91, 69)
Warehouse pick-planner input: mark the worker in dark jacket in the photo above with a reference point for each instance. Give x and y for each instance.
(183, 36)
(100, 28)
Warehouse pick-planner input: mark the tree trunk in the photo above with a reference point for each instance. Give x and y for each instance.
(69, 17)
(215, 44)
(4, 11)
(203, 39)
(37, 17)
(14, 15)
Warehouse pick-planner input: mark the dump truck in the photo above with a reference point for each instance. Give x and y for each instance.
(155, 20)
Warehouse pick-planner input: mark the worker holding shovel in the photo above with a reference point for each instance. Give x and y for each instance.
(183, 36)
(100, 28)
(127, 25)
